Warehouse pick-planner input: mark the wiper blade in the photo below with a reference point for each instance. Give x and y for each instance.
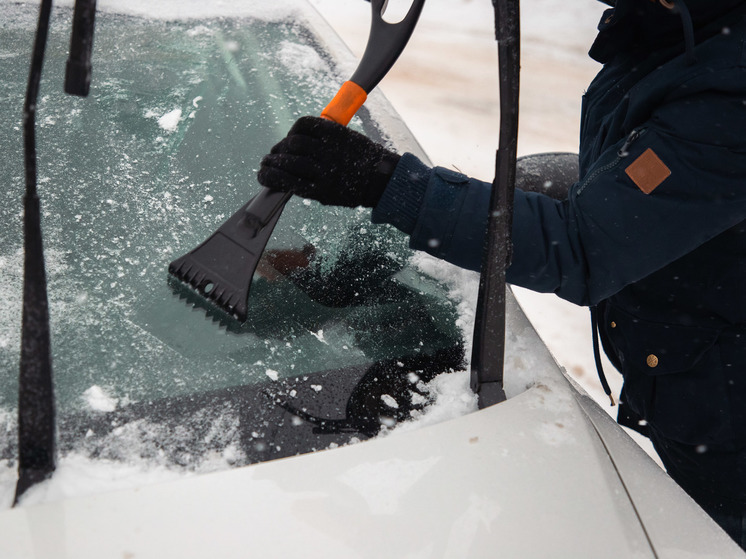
(78, 70)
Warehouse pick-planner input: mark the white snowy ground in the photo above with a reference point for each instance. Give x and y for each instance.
(445, 86)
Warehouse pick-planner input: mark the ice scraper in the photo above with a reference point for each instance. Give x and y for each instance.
(220, 270)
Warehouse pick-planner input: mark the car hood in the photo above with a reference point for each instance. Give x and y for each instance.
(546, 473)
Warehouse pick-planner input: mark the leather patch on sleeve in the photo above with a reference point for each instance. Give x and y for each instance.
(648, 171)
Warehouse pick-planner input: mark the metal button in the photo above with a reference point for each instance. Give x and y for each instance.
(652, 361)
(613, 324)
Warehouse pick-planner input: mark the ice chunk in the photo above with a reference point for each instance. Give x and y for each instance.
(170, 121)
(98, 400)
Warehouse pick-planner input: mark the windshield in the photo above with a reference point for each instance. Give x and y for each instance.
(341, 328)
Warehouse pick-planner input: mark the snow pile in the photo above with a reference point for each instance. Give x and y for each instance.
(98, 400)
(452, 397)
(463, 289)
(78, 476)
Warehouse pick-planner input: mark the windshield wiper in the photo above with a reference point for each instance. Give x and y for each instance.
(36, 425)
(488, 349)
(36, 407)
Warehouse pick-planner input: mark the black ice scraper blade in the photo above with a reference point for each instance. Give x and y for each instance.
(218, 268)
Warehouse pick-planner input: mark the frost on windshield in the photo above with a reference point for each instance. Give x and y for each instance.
(164, 150)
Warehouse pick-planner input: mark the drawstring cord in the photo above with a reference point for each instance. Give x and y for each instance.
(597, 355)
(679, 7)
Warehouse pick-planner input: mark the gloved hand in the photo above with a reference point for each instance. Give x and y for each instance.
(328, 162)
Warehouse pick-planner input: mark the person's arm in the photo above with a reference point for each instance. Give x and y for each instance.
(677, 185)
(445, 214)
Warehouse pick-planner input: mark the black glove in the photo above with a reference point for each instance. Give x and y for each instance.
(328, 162)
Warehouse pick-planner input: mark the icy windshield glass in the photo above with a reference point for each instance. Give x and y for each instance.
(164, 150)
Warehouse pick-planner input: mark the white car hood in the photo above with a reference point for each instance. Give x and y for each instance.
(527, 478)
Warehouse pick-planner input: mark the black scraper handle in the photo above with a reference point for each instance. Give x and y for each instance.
(386, 41)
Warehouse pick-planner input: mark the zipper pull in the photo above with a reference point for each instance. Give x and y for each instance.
(624, 150)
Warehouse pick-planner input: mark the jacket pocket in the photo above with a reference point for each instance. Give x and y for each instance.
(657, 348)
(673, 377)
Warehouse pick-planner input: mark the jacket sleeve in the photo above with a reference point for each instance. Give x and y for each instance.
(618, 225)
(445, 214)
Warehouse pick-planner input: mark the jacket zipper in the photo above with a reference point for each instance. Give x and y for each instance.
(624, 150)
(621, 154)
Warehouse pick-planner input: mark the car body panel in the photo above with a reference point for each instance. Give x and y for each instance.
(459, 488)
(545, 474)
(530, 477)
(657, 499)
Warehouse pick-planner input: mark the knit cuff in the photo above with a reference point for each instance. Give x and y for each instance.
(401, 201)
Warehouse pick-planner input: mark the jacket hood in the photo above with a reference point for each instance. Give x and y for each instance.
(645, 25)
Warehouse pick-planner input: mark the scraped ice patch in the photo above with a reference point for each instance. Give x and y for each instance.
(272, 374)
(98, 400)
(303, 62)
(199, 30)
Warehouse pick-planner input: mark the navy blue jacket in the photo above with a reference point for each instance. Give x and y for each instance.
(654, 231)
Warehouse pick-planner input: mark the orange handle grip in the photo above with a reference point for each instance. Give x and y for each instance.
(345, 104)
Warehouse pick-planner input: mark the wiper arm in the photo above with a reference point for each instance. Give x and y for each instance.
(488, 349)
(36, 406)
(36, 414)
